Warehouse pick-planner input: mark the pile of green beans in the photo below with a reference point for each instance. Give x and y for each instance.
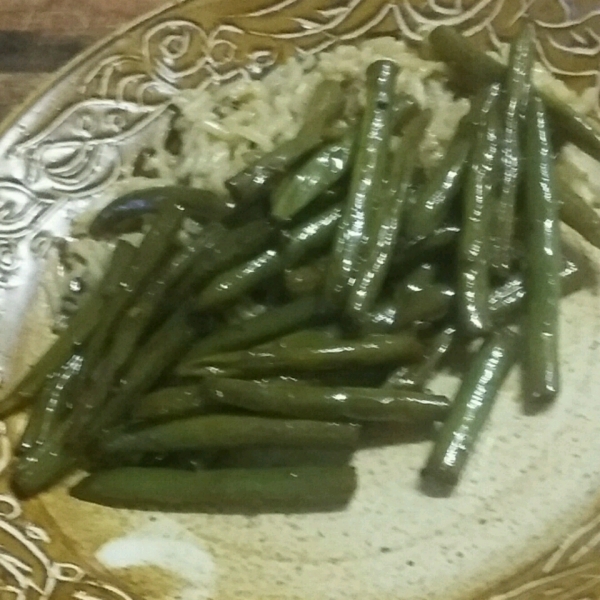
(233, 372)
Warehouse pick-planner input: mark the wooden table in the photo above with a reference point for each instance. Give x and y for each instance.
(38, 36)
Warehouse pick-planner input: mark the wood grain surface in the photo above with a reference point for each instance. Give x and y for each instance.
(37, 37)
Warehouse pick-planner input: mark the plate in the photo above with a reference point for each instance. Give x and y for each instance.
(524, 523)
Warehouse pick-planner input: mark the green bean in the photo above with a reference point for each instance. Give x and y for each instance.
(298, 243)
(126, 213)
(320, 355)
(518, 85)
(416, 377)
(542, 280)
(474, 247)
(44, 465)
(230, 431)
(302, 401)
(255, 181)
(51, 405)
(366, 184)
(78, 331)
(172, 402)
(222, 491)
(376, 254)
(469, 412)
(477, 69)
(274, 323)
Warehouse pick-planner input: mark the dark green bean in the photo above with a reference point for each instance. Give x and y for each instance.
(415, 251)
(273, 457)
(302, 401)
(469, 412)
(518, 85)
(318, 355)
(416, 377)
(366, 184)
(51, 405)
(230, 431)
(255, 181)
(376, 253)
(222, 491)
(474, 245)
(126, 213)
(44, 465)
(476, 69)
(542, 275)
(172, 402)
(274, 323)
(78, 331)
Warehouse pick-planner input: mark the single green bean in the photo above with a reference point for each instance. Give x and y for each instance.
(230, 431)
(307, 279)
(542, 276)
(366, 184)
(172, 402)
(42, 466)
(518, 85)
(126, 213)
(469, 412)
(273, 457)
(579, 215)
(376, 253)
(302, 401)
(474, 246)
(223, 490)
(322, 354)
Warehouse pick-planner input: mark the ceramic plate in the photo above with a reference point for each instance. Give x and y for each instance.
(524, 522)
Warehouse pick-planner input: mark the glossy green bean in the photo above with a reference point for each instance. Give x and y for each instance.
(42, 466)
(51, 405)
(542, 275)
(302, 401)
(376, 254)
(518, 85)
(223, 490)
(230, 431)
(476, 69)
(255, 181)
(366, 183)
(322, 354)
(469, 412)
(478, 206)
(172, 402)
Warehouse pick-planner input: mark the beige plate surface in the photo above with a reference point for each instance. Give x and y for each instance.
(524, 523)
